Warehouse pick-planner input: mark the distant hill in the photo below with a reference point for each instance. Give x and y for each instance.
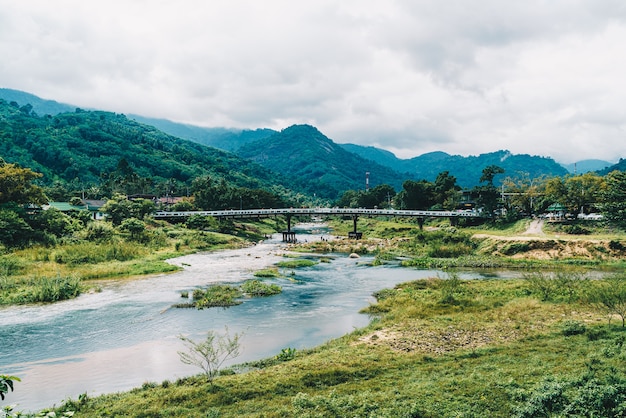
(222, 138)
(39, 105)
(620, 166)
(585, 166)
(467, 170)
(316, 164)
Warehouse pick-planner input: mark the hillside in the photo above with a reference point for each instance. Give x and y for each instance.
(40, 106)
(85, 147)
(226, 139)
(467, 170)
(620, 166)
(316, 164)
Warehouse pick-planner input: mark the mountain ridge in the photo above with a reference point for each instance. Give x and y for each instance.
(386, 167)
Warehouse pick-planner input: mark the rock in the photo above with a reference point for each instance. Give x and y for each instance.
(354, 255)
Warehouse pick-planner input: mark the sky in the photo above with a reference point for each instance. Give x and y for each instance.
(538, 77)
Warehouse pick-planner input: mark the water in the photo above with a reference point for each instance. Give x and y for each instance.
(127, 334)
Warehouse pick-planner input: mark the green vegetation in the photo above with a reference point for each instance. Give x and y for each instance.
(258, 288)
(209, 355)
(267, 273)
(224, 295)
(6, 384)
(298, 263)
(436, 347)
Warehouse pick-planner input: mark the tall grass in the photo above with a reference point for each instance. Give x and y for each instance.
(93, 253)
(44, 290)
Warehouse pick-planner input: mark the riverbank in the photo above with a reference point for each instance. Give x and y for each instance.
(446, 345)
(474, 348)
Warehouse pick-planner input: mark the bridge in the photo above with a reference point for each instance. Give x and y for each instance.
(289, 236)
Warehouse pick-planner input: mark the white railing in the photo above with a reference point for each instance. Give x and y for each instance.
(319, 211)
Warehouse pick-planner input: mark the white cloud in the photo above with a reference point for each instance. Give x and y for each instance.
(464, 77)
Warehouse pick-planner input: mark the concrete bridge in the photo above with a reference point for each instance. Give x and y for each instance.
(289, 236)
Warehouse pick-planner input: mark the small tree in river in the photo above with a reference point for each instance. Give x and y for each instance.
(210, 354)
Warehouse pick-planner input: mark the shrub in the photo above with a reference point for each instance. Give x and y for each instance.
(573, 328)
(258, 288)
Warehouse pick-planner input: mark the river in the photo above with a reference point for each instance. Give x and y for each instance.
(127, 334)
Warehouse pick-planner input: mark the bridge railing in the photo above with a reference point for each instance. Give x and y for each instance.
(319, 211)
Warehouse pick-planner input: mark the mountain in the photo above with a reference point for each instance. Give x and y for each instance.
(467, 170)
(317, 164)
(620, 166)
(39, 106)
(226, 139)
(381, 156)
(86, 147)
(585, 166)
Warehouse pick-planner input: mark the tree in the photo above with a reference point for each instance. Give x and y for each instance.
(16, 185)
(489, 173)
(446, 191)
(119, 208)
(210, 354)
(488, 196)
(416, 195)
(134, 227)
(379, 196)
(613, 198)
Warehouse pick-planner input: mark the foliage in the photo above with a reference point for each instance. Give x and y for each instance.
(610, 296)
(267, 273)
(84, 149)
(258, 288)
(220, 295)
(299, 263)
(134, 227)
(286, 354)
(120, 208)
(210, 354)
(17, 185)
(6, 384)
(614, 198)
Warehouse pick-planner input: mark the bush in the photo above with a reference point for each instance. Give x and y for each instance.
(258, 288)
(573, 328)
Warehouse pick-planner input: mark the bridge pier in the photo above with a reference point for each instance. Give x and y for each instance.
(354, 233)
(289, 237)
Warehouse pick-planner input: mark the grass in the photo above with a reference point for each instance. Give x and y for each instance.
(485, 348)
(25, 275)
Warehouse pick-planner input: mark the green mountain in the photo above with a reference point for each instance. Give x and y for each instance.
(619, 166)
(467, 170)
(226, 139)
(86, 147)
(316, 164)
(39, 106)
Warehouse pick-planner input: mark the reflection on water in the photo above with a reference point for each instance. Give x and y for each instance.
(127, 334)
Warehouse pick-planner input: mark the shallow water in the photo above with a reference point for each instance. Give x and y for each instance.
(127, 334)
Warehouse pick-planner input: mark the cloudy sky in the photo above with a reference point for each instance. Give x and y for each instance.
(465, 77)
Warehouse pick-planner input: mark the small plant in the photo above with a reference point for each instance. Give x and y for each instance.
(210, 354)
(573, 328)
(258, 288)
(6, 384)
(286, 354)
